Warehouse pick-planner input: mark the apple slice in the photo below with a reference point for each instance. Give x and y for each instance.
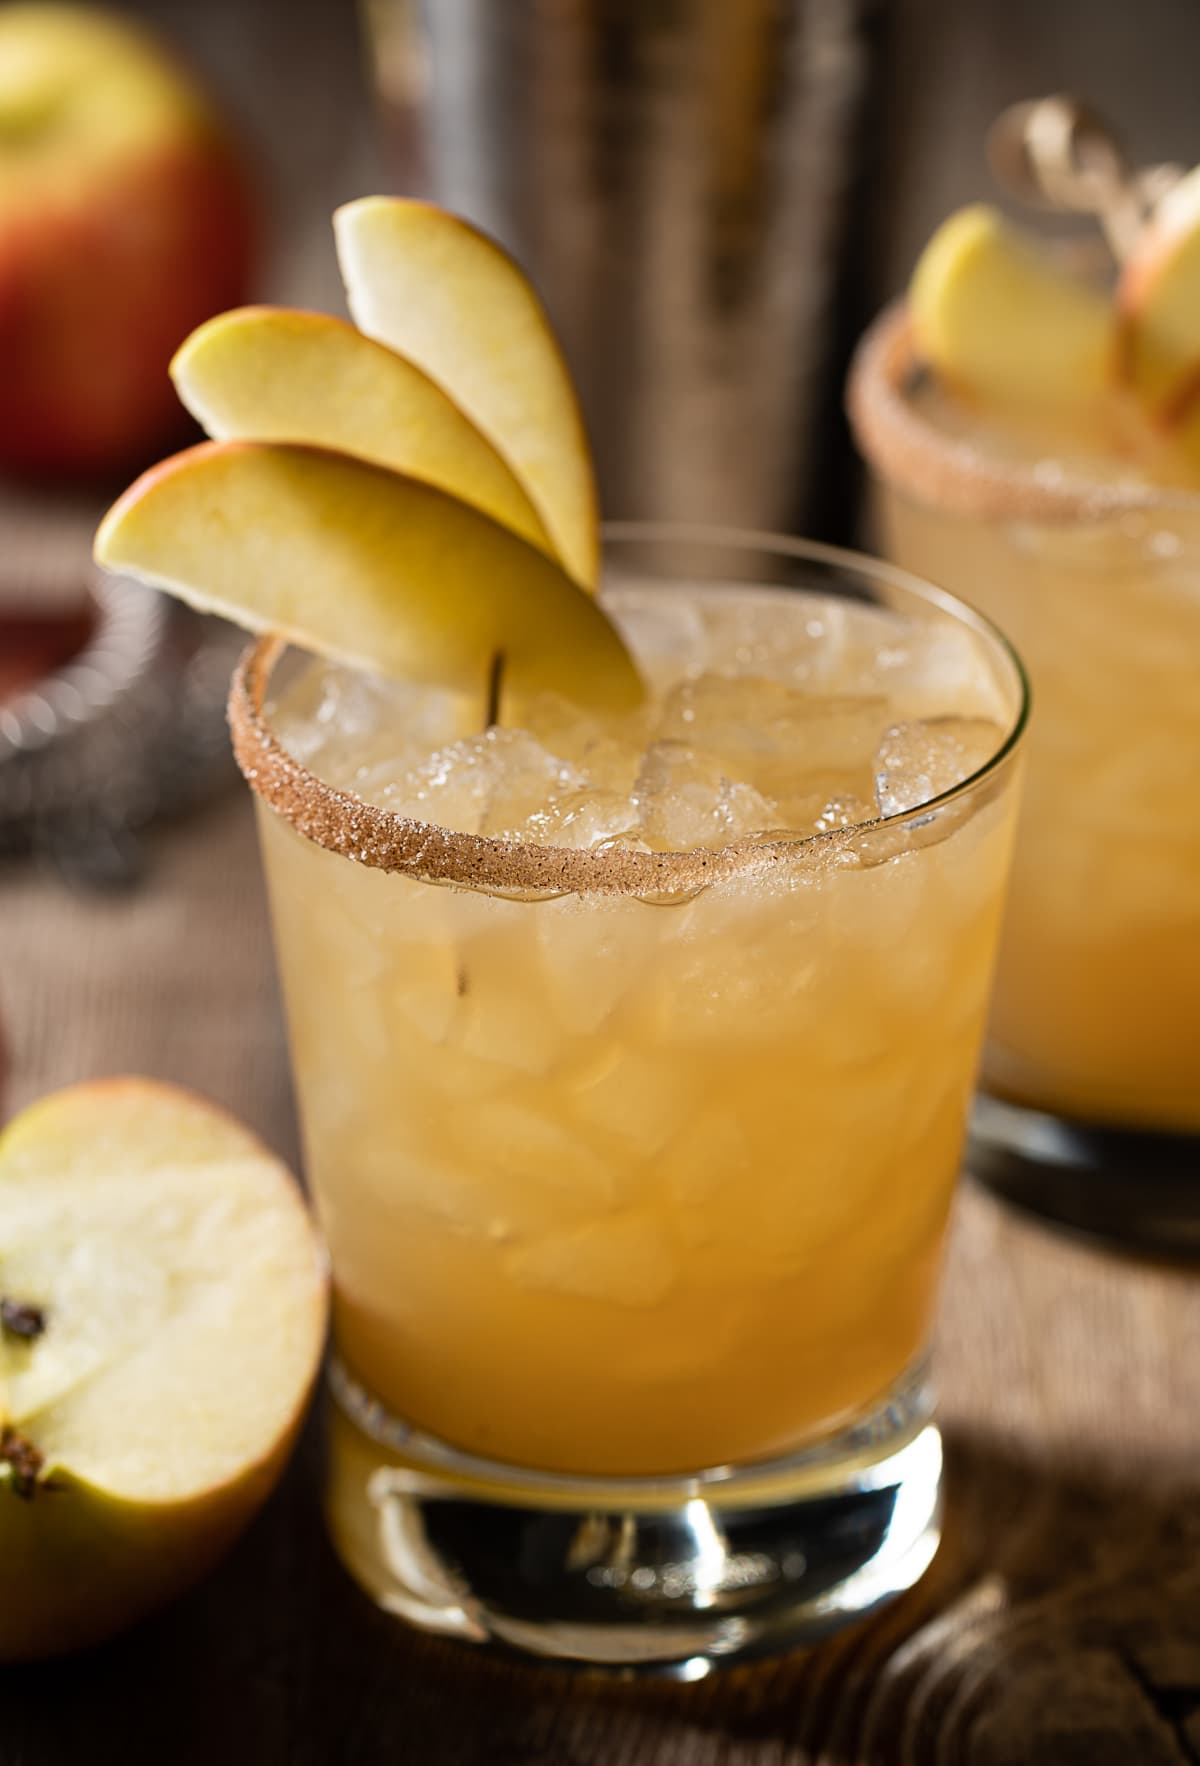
(1158, 299)
(272, 374)
(366, 565)
(449, 299)
(163, 1310)
(999, 320)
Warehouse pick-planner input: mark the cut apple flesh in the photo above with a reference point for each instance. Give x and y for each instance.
(998, 319)
(269, 374)
(451, 301)
(163, 1298)
(180, 1285)
(366, 565)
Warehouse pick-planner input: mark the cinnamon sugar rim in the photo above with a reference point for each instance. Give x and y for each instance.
(346, 824)
(912, 455)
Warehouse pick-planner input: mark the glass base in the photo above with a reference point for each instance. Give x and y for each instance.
(1135, 1189)
(673, 1574)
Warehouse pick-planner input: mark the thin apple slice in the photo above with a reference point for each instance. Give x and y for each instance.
(449, 299)
(365, 565)
(169, 1299)
(998, 319)
(1158, 298)
(272, 374)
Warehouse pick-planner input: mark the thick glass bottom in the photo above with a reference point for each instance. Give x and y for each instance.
(674, 1574)
(1136, 1189)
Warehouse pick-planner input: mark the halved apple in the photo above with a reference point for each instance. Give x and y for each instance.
(1158, 298)
(162, 1309)
(448, 298)
(367, 565)
(272, 374)
(999, 319)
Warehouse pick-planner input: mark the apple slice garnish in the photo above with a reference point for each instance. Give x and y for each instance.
(445, 296)
(998, 319)
(1158, 300)
(273, 374)
(162, 1314)
(367, 565)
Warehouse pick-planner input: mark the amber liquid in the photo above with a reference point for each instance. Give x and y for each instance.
(1097, 1004)
(621, 1187)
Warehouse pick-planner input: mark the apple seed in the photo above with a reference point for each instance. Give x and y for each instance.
(21, 1320)
(23, 1458)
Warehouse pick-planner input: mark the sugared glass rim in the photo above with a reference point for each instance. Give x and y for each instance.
(915, 457)
(347, 825)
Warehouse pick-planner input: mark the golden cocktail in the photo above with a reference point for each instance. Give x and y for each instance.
(1033, 450)
(634, 1124)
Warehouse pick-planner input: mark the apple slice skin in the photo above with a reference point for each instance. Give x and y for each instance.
(440, 292)
(79, 1563)
(277, 375)
(152, 1109)
(1158, 299)
(366, 565)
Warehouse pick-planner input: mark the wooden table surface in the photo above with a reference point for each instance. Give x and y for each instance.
(1060, 1623)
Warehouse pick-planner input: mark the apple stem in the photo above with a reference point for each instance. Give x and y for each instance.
(495, 685)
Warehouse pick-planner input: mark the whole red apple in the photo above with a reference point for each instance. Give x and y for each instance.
(124, 222)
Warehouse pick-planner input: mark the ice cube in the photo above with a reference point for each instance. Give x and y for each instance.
(421, 993)
(451, 787)
(531, 1149)
(843, 812)
(606, 753)
(744, 1207)
(664, 626)
(916, 762)
(685, 799)
(486, 783)
(785, 741)
(360, 729)
(741, 968)
(594, 950)
(630, 1097)
(796, 638)
(712, 1152)
(823, 807)
(446, 1182)
(527, 781)
(581, 819)
(940, 668)
(501, 1023)
(625, 1261)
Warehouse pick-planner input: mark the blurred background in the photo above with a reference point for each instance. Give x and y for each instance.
(714, 199)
